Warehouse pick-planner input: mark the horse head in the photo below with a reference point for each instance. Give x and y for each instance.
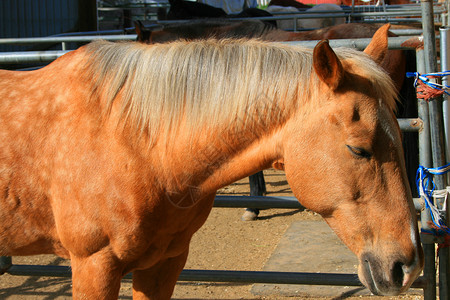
(347, 164)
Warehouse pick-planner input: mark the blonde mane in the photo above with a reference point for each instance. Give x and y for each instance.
(213, 83)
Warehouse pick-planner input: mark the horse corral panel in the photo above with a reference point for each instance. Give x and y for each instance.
(430, 244)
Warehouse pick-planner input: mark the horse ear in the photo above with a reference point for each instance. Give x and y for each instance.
(327, 65)
(138, 27)
(378, 46)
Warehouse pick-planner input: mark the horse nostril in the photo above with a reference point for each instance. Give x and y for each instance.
(397, 273)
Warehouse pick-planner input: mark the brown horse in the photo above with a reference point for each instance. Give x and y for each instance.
(394, 62)
(111, 155)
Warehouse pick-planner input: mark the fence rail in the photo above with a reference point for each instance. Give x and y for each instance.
(422, 125)
(48, 56)
(248, 277)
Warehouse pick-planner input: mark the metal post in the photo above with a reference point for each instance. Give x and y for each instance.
(425, 160)
(444, 33)
(436, 127)
(5, 264)
(444, 255)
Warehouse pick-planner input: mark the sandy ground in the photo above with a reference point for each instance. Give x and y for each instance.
(223, 243)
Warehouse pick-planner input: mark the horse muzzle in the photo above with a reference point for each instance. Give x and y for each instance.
(388, 278)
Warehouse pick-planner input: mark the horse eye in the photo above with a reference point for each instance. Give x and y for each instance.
(360, 152)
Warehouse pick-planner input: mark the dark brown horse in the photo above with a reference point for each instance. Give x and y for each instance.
(394, 62)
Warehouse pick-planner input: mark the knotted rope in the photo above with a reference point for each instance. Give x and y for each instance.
(427, 89)
(426, 189)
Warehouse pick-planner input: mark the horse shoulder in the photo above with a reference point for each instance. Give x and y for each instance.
(35, 112)
(28, 226)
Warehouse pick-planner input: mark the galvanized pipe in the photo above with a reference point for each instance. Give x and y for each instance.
(30, 57)
(416, 9)
(444, 253)
(444, 33)
(437, 128)
(47, 56)
(222, 276)
(410, 125)
(435, 104)
(360, 44)
(402, 32)
(425, 159)
(65, 39)
(316, 15)
(393, 41)
(336, 279)
(267, 202)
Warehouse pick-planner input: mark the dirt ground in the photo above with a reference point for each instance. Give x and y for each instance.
(223, 243)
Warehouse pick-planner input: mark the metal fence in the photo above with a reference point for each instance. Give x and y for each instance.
(430, 130)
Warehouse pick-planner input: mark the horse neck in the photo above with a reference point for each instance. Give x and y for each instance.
(217, 159)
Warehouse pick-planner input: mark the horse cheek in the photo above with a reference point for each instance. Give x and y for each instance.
(305, 167)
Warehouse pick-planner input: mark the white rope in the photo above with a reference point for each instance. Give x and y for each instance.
(425, 187)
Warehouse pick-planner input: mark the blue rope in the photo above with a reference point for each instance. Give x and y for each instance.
(424, 78)
(426, 187)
